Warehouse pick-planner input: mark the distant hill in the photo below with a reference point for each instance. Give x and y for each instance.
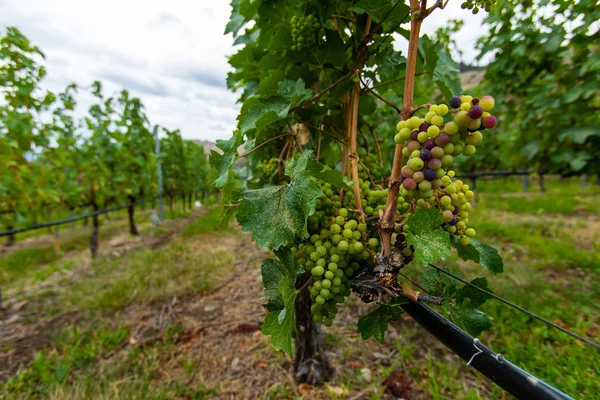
(207, 144)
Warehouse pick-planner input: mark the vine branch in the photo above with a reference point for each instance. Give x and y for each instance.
(265, 142)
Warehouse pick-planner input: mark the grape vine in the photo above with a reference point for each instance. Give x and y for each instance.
(338, 219)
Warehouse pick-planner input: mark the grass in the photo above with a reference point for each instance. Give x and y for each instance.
(552, 262)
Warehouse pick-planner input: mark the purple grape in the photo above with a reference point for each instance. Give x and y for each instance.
(455, 102)
(453, 222)
(435, 164)
(424, 126)
(430, 175)
(407, 172)
(408, 259)
(429, 144)
(413, 145)
(414, 135)
(456, 211)
(489, 122)
(442, 139)
(409, 184)
(426, 155)
(475, 112)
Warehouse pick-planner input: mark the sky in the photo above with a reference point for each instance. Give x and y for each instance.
(172, 54)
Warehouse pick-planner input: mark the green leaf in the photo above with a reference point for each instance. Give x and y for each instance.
(579, 135)
(329, 175)
(439, 284)
(469, 318)
(531, 149)
(280, 324)
(482, 254)
(375, 323)
(236, 20)
(441, 67)
(392, 12)
(273, 271)
(425, 233)
(222, 162)
(474, 296)
(283, 210)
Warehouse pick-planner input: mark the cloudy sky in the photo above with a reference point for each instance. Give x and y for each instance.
(172, 54)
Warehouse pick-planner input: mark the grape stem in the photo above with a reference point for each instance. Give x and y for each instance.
(422, 106)
(308, 282)
(387, 220)
(265, 142)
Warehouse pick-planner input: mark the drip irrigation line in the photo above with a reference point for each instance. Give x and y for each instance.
(494, 366)
(77, 218)
(519, 308)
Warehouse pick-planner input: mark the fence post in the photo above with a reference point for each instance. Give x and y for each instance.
(161, 210)
(57, 240)
(542, 185)
(71, 215)
(526, 180)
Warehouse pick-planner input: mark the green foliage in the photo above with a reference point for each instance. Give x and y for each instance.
(425, 233)
(545, 71)
(482, 254)
(283, 210)
(375, 323)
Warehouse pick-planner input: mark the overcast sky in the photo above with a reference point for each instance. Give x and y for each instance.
(172, 54)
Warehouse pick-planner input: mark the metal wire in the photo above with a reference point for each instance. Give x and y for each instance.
(516, 307)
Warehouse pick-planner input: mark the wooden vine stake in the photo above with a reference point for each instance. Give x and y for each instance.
(387, 221)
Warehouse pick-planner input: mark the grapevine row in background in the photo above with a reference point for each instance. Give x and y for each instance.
(56, 161)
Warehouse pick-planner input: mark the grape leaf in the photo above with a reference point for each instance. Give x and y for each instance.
(279, 324)
(438, 284)
(469, 318)
(375, 323)
(275, 215)
(383, 10)
(222, 162)
(440, 66)
(427, 236)
(474, 296)
(482, 254)
(273, 271)
(329, 175)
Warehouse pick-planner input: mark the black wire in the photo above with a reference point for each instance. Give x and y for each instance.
(516, 307)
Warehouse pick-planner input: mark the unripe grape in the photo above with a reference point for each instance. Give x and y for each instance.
(433, 131)
(471, 139)
(347, 233)
(447, 215)
(413, 145)
(469, 150)
(423, 136)
(451, 128)
(317, 271)
(474, 124)
(356, 234)
(470, 232)
(433, 108)
(413, 123)
(320, 300)
(442, 109)
(461, 225)
(415, 164)
(343, 212)
(489, 122)
(358, 246)
(400, 125)
(437, 120)
(336, 281)
(398, 139)
(340, 220)
(458, 149)
(343, 245)
(407, 172)
(449, 148)
(487, 103)
(462, 119)
(409, 184)
(425, 185)
(415, 154)
(442, 139)
(329, 275)
(447, 160)
(325, 292)
(435, 164)
(335, 228)
(464, 240)
(465, 106)
(418, 176)
(373, 242)
(437, 152)
(326, 283)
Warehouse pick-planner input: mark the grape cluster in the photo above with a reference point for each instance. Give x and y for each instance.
(338, 246)
(432, 143)
(474, 5)
(304, 31)
(369, 167)
(268, 167)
